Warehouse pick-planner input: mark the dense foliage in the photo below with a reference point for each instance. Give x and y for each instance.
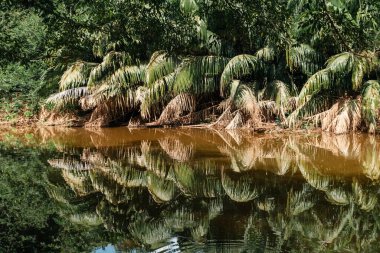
(292, 62)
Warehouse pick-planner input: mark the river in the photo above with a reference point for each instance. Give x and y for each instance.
(192, 190)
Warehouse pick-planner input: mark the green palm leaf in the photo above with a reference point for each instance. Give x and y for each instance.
(111, 62)
(236, 68)
(156, 94)
(75, 76)
(69, 96)
(266, 54)
(159, 66)
(371, 104)
(303, 58)
(199, 75)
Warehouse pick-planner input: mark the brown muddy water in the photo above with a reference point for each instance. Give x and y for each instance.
(197, 190)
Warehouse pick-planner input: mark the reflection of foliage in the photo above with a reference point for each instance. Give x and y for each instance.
(26, 212)
(29, 220)
(285, 194)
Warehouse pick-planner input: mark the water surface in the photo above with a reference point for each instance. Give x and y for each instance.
(195, 190)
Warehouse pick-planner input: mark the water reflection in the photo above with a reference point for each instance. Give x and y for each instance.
(202, 190)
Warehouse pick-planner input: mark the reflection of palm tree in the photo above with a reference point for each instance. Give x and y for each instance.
(176, 150)
(242, 189)
(150, 197)
(161, 190)
(194, 181)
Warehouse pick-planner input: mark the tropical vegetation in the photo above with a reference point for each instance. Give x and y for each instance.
(292, 64)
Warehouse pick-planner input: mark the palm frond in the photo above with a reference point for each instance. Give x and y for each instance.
(371, 104)
(280, 93)
(177, 106)
(159, 66)
(161, 190)
(313, 177)
(236, 68)
(363, 197)
(116, 97)
(156, 94)
(337, 197)
(324, 79)
(266, 54)
(299, 202)
(337, 66)
(343, 117)
(243, 98)
(111, 62)
(303, 58)
(199, 75)
(65, 97)
(176, 150)
(75, 76)
(127, 76)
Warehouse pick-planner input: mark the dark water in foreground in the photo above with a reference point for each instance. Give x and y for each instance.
(194, 190)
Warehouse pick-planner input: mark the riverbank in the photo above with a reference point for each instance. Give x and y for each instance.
(46, 118)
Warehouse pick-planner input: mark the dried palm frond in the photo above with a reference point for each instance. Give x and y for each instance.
(371, 162)
(177, 106)
(314, 109)
(281, 94)
(236, 68)
(242, 97)
(343, 117)
(371, 104)
(236, 122)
